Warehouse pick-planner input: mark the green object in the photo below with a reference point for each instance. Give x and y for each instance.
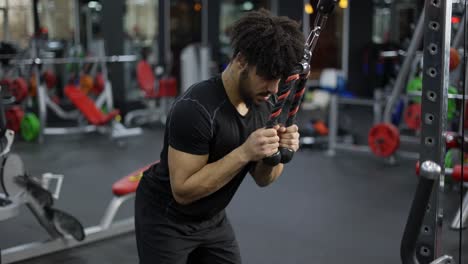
(449, 159)
(452, 157)
(451, 105)
(309, 96)
(30, 127)
(415, 85)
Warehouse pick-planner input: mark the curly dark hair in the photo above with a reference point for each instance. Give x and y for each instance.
(272, 43)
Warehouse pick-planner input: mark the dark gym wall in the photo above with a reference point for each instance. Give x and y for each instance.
(292, 9)
(113, 34)
(360, 35)
(214, 9)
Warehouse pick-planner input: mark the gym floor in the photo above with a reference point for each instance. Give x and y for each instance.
(350, 208)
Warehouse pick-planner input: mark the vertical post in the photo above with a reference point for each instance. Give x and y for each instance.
(305, 19)
(6, 23)
(76, 35)
(434, 106)
(114, 39)
(89, 27)
(360, 27)
(345, 44)
(214, 9)
(35, 54)
(164, 38)
(41, 96)
(378, 98)
(422, 236)
(37, 25)
(204, 23)
(333, 124)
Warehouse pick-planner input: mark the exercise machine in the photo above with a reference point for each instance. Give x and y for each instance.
(18, 188)
(421, 242)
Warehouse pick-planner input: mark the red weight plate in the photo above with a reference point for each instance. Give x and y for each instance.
(50, 79)
(412, 116)
(384, 139)
(19, 89)
(14, 115)
(454, 59)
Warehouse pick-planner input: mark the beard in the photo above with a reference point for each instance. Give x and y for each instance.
(245, 91)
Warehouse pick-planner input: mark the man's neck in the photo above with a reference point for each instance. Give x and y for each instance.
(231, 84)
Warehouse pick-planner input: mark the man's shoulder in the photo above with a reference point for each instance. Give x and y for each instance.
(204, 88)
(208, 94)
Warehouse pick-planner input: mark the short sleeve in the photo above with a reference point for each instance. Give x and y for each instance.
(189, 127)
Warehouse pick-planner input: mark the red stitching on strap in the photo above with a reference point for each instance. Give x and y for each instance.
(294, 111)
(299, 94)
(292, 78)
(275, 114)
(284, 95)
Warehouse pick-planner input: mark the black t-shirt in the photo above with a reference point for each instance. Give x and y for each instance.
(202, 121)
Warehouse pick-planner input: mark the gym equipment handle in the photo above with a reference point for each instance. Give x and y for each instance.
(326, 6)
(297, 85)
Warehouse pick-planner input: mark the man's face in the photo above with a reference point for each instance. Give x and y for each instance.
(254, 89)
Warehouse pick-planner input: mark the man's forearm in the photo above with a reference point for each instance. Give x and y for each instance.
(265, 174)
(212, 177)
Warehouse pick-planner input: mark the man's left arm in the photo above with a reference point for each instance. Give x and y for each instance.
(264, 174)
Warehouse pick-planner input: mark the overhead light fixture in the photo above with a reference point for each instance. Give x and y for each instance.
(92, 4)
(247, 5)
(343, 4)
(308, 8)
(197, 7)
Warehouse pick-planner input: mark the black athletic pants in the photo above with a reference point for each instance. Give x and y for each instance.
(161, 240)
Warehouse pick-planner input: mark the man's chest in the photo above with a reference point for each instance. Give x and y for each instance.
(231, 131)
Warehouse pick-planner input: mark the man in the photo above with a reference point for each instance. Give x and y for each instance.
(215, 135)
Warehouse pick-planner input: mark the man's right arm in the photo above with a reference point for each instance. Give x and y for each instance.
(192, 178)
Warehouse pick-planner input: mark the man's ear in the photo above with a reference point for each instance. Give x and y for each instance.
(241, 61)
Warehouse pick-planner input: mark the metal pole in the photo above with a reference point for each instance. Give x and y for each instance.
(305, 19)
(6, 22)
(421, 241)
(164, 38)
(333, 124)
(345, 44)
(37, 25)
(204, 25)
(77, 24)
(89, 27)
(378, 98)
(41, 94)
